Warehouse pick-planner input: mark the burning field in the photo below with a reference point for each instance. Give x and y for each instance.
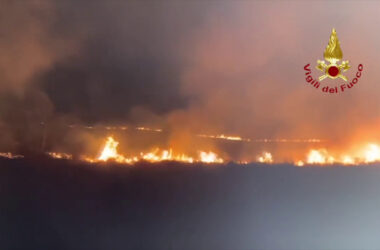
(315, 154)
(189, 125)
(199, 90)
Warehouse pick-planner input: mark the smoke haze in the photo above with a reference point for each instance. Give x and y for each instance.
(232, 67)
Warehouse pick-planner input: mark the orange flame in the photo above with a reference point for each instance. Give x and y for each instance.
(368, 154)
(225, 137)
(209, 157)
(60, 155)
(363, 154)
(9, 155)
(319, 157)
(109, 152)
(372, 153)
(265, 157)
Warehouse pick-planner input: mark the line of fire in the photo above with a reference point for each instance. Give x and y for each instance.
(132, 144)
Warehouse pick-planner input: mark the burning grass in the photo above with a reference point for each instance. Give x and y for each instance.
(364, 154)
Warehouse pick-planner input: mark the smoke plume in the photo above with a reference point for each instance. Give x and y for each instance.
(186, 67)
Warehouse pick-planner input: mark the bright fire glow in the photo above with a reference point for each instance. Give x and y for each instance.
(225, 137)
(165, 155)
(265, 157)
(109, 152)
(363, 154)
(210, 157)
(372, 153)
(317, 157)
(60, 155)
(299, 163)
(320, 156)
(348, 160)
(10, 155)
(265, 140)
(368, 154)
(149, 129)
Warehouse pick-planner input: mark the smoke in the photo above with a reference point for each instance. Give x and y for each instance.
(87, 63)
(28, 48)
(245, 74)
(187, 67)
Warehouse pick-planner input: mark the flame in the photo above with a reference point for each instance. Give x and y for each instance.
(225, 137)
(265, 157)
(149, 129)
(299, 163)
(363, 153)
(368, 154)
(109, 152)
(114, 127)
(372, 154)
(348, 160)
(210, 157)
(60, 155)
(165, 155)
(319, 157)
(265, 140)
(9, 155)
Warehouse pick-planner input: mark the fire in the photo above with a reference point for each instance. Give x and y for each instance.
(72, 126)
(60, 155)
(348, 160)
(166, 155)
(265, 157)
(210, 157)
(109, 152)
(319, 157)
(149, 129)
(225, 137)
(266, 140)
(368, 154)
(372, 154)
(362, 154)
(10, 155)
(299, 163)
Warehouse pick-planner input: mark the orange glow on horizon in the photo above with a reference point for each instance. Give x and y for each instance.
(110, 152)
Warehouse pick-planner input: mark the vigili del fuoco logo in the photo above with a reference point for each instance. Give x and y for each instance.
(333, 69)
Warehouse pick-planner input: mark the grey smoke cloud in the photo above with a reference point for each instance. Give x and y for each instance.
(87, 62)
(232, 67)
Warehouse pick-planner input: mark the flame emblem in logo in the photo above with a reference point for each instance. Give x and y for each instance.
(333, 54)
